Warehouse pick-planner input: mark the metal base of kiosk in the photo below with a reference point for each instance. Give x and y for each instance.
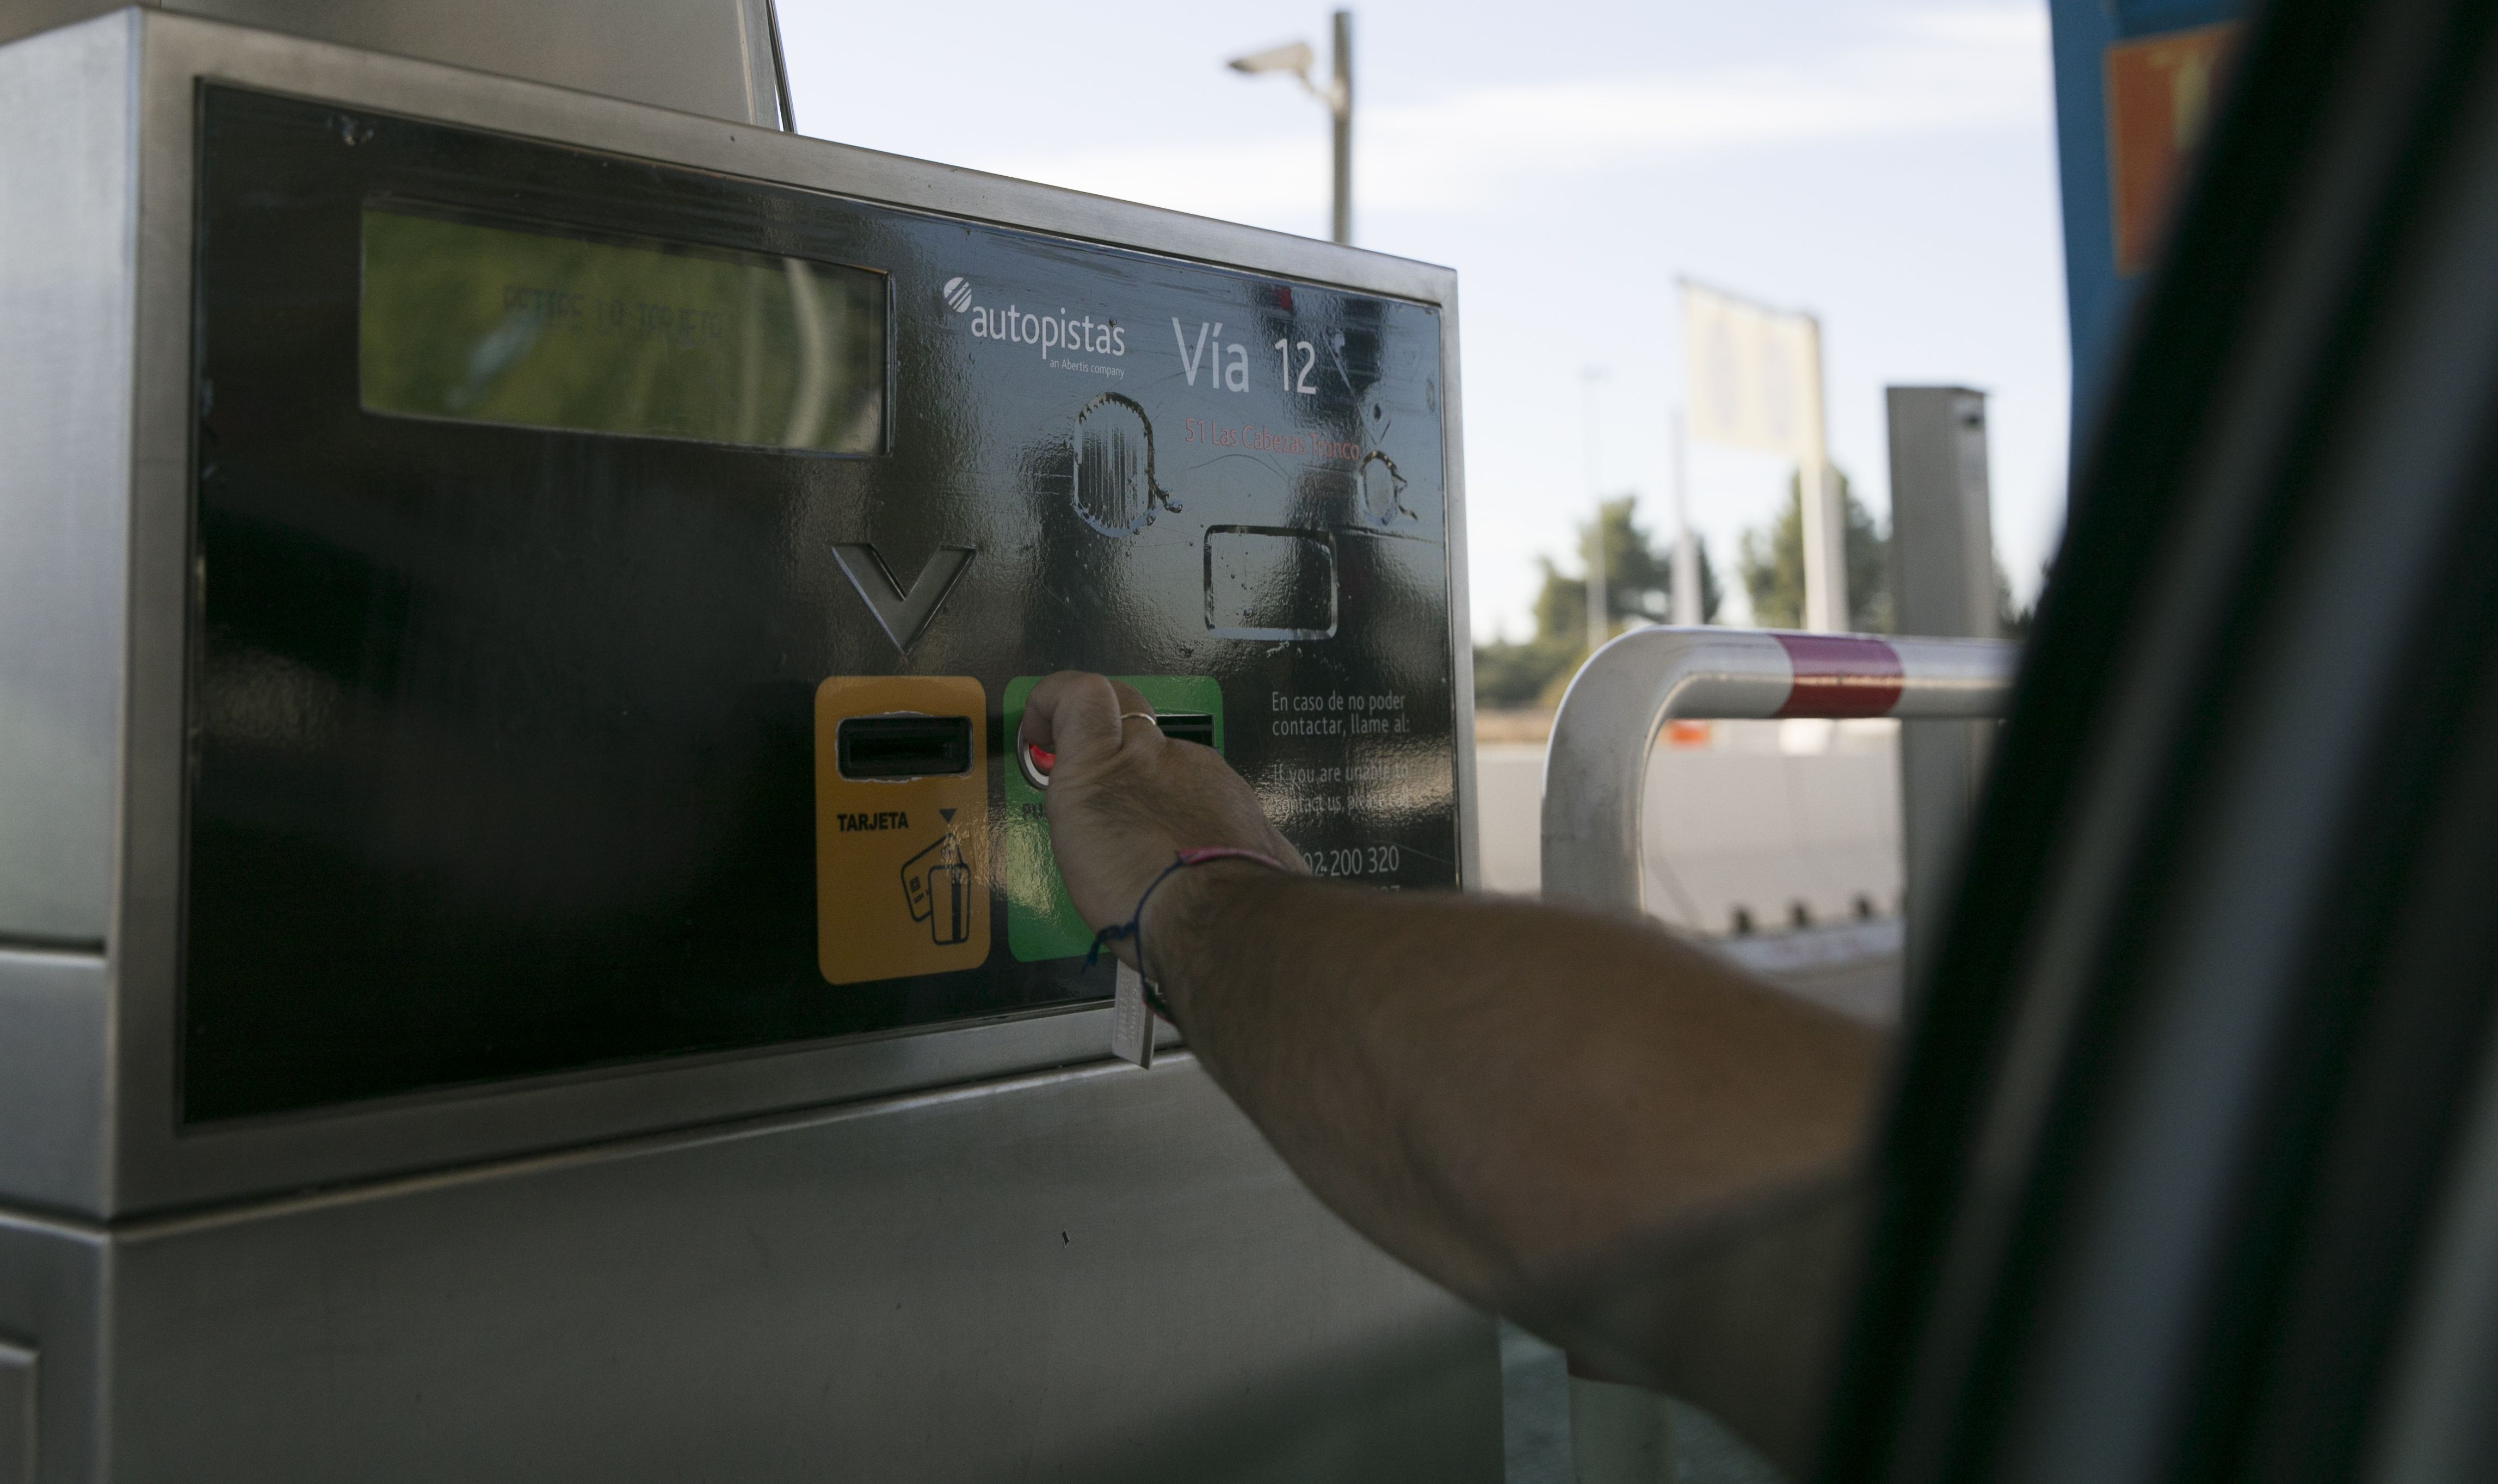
(1094, 1275)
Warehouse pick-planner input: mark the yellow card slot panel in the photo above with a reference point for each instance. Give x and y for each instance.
(901, 838)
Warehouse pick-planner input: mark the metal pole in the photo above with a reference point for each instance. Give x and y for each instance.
(1688, 610)
(779, 66)
(1823, 512)
(1340, 106)
(1599, 620)
(1942, 582)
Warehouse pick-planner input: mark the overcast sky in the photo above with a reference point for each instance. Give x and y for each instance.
(1888, 165)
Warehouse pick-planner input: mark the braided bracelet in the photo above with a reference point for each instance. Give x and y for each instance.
(1134, 928)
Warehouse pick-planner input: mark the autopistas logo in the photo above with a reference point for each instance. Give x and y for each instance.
(1046, 334)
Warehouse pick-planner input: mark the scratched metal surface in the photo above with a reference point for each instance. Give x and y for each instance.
(501, 761)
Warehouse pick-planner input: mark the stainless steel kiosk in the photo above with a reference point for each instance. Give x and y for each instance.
(524, 951)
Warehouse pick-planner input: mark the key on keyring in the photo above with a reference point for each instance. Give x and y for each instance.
(1131, 1020)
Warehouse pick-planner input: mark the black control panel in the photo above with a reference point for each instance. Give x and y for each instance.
(565, 524)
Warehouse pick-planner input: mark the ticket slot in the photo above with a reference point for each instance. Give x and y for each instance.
(1179, 726)
(904, 746)
(1188, 726)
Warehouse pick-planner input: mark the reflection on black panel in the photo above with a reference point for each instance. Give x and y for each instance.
(503, 757)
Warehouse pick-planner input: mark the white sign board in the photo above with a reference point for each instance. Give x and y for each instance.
(1755, 375)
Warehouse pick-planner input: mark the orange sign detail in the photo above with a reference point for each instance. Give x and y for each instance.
(2160, 95)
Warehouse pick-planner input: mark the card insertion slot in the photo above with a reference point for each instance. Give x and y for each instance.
(907, 745)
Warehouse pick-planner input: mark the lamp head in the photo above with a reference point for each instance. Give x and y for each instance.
(1292, 57)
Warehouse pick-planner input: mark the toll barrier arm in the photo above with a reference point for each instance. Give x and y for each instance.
(1595, 772)
(1595, 776)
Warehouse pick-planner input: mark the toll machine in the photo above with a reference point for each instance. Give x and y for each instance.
(522, 953)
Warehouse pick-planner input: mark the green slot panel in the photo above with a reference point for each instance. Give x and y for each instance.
(1041, 922)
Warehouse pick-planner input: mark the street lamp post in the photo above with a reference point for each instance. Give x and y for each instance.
(1297, 58)
(1688, 605)
(1339, 103)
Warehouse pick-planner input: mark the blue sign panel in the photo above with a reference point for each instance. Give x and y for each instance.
(2134, 79)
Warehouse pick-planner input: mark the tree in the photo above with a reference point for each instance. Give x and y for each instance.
(1772, 559)
(1639, 578)
(2012, 620)
(1639, 584)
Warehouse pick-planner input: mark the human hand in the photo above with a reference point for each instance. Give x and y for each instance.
(1124, 799)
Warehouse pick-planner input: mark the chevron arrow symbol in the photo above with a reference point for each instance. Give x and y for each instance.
(904, 612)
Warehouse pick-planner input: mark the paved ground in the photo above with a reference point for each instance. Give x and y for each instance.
(1853, 968)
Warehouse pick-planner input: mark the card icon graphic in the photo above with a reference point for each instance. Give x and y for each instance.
(937, 886)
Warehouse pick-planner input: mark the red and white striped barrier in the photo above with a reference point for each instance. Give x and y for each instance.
(1595, 773)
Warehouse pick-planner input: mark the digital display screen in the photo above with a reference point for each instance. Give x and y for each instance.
(480, 322)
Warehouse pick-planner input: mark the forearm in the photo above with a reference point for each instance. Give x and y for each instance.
(1505, 1094)
(1575, 1121)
